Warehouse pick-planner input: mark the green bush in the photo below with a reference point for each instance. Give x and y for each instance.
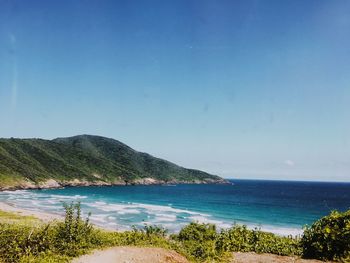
(239, 238)
(74, 234)
(199, 242)
(198, 232)
(202, 242)
(69, 238)
(328, 238)
(153, 230)
(18, 241)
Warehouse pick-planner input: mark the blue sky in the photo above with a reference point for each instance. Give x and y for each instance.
(248, 89)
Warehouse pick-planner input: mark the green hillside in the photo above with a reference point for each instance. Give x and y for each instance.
(86, 160)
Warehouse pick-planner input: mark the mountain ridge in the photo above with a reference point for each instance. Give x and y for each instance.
(84, 160)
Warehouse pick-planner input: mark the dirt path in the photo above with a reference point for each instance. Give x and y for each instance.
(132, 255)
(268, 258)
(160, 255)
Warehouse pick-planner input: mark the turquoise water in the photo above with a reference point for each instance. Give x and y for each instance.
(277, 206)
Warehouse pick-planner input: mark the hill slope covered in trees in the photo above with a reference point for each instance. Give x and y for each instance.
(86, 160)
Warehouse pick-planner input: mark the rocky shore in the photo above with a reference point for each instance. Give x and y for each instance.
(52, 183)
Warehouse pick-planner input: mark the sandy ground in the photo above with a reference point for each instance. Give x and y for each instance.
(268, 258)
(159, 255)
(133, 255)
(40, 215)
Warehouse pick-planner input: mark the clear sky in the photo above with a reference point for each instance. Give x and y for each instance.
(248, 89)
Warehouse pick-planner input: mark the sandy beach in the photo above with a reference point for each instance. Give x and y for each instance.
(43, 216)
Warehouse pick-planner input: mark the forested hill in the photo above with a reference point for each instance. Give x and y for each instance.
(86, 160)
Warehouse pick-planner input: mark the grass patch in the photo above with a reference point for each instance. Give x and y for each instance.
(12, 217)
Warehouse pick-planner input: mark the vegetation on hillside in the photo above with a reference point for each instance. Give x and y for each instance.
(89, 159)
(61, 241)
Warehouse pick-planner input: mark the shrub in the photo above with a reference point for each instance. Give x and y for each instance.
(147, 236)
(235, 239)
(19, 241)
(198, 232)
(71, 237)
(154, 230)
(74, 232)
(199, 242)
(241, 239)
(328, 238)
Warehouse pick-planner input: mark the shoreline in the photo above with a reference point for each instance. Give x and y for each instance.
(42, 216)
(53, 184)
(47, 217)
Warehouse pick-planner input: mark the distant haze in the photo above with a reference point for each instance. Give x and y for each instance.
(248, 89)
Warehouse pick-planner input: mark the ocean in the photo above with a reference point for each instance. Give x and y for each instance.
(281, 207)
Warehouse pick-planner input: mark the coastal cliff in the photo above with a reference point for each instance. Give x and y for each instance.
(87, 160)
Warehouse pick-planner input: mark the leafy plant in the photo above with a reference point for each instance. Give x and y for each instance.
(155, 230)
(328, 238)
(74, 231)
(240, 238)
(199, 242)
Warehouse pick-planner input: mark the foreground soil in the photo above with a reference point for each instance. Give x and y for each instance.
(132, 255)
(160, 255)
(267, 258)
